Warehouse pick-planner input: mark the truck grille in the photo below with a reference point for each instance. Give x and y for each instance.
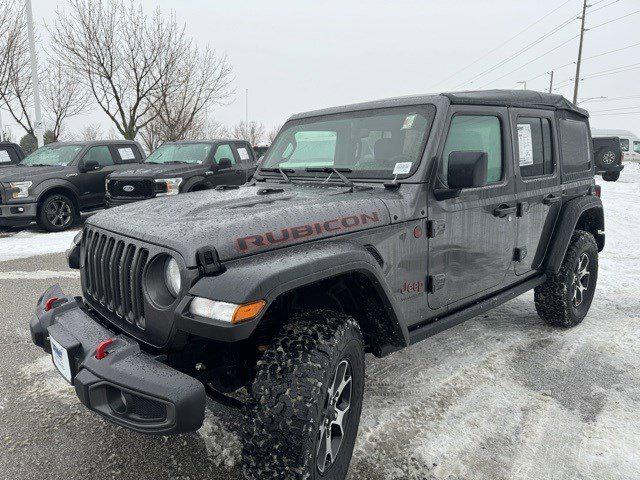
(131, 188)
(113, 275)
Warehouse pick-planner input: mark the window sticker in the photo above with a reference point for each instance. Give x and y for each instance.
(402, 168)
(525, 144)
(4, 156)
(126, 153)
(408, 121)
(244, 155)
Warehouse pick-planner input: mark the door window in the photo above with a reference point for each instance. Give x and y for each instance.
(5, 156)
(224, 151)
(127, 154)
(535, 155)
(476, 133)
(575, 144)
(100, 154)
(243, 154)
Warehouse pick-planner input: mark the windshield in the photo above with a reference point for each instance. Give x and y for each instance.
(59, 156)
(368, 144)
(180, 153)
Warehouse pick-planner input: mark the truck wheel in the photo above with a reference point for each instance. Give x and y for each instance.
(56, 213)
(564, 299)
(308, 398)
(610, 176)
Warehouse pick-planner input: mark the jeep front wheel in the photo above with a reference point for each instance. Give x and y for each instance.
(308, 395)
(564, 299)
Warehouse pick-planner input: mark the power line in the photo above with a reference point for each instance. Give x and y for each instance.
(601, 73)
(616, 109)
(556, 29)
(613, 99)
(502, 44)
(531, 61)
(621, 113)
(614, 20)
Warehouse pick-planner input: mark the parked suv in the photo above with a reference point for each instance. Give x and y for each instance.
(367, 228)
(58, 181)
(185, 166)
(10, 154)
(608, 157)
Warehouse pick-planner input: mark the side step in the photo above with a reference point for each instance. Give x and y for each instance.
(419, 332)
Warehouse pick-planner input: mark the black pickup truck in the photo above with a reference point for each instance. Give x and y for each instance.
(58, 181)
(184, 166)
(367, 228)
(10, 154)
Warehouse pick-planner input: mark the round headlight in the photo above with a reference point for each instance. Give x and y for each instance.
(172, 276)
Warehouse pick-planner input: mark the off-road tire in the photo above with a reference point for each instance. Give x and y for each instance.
(57, 201)
(554, 299)
(290, 392)
(610, 176)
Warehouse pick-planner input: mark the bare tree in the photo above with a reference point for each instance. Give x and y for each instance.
(63, 96)
(92, 131)
(252, 132)
(122, 55)
(271, 135)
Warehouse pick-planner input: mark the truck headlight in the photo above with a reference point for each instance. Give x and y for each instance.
(225, 312)
(172, 277)
(168, 186)
(20, 189)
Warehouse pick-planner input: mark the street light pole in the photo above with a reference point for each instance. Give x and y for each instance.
(34, 76)
(551, 82)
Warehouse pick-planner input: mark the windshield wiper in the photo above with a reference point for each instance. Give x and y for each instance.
(36, 164)
(281, 171)
(331, 171)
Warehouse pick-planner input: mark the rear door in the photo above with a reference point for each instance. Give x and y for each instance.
(538, 189)
(473, 235)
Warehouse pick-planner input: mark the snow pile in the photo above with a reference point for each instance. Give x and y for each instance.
(28, 243)
(223, 447)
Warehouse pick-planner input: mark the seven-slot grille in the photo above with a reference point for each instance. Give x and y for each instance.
(131, 188)
(113, 275)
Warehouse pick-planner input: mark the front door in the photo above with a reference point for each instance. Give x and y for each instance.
(230, 172)
(91, 183)
(538, 190)
(473, 235)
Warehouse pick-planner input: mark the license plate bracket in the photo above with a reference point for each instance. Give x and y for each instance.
(63, 348)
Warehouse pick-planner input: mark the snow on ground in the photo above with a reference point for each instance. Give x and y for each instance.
(28, 243)
(505, 396)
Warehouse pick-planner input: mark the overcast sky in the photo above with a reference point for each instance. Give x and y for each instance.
(296, 55)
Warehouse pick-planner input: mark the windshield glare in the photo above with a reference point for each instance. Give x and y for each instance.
(180, 153)
(370, 143)
(53, 156)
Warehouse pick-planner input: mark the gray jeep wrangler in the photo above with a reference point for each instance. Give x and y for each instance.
(367, 228)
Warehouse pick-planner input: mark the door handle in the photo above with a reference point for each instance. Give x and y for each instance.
(504, 210)
(551, 199)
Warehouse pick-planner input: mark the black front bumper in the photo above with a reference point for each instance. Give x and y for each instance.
(128, 387)
(117, 201)
(17, 215)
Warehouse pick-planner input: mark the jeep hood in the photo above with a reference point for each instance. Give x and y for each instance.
(19, 173)
(247, 220)
(158, 171)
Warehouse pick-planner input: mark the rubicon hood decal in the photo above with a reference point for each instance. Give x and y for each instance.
(290, 234)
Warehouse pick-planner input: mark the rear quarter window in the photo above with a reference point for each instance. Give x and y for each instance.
(575, 145)
(5, 155)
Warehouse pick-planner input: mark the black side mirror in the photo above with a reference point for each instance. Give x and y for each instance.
(224, 164)
(464, 170)
(90, 166)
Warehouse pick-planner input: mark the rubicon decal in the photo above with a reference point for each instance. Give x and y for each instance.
(291, 234)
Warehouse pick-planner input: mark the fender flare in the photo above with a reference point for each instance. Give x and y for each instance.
(269, 275)
(45, 187)
(570, 215)
(189, 184)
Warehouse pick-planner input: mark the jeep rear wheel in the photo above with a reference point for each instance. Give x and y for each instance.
(56, 213)
(564, 299)
(308, 393)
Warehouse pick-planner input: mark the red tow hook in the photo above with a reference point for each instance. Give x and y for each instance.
(49, 303)
(101, 349)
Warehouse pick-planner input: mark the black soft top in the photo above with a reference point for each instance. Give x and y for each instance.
(506, 98)
(515, 98)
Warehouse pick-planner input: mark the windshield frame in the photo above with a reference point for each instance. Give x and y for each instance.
(206, 161)
(73, 161)
(427, 110)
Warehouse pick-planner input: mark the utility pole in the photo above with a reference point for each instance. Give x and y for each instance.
(551, 82)
(582, 30)
(246, 107)
(34, 76)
